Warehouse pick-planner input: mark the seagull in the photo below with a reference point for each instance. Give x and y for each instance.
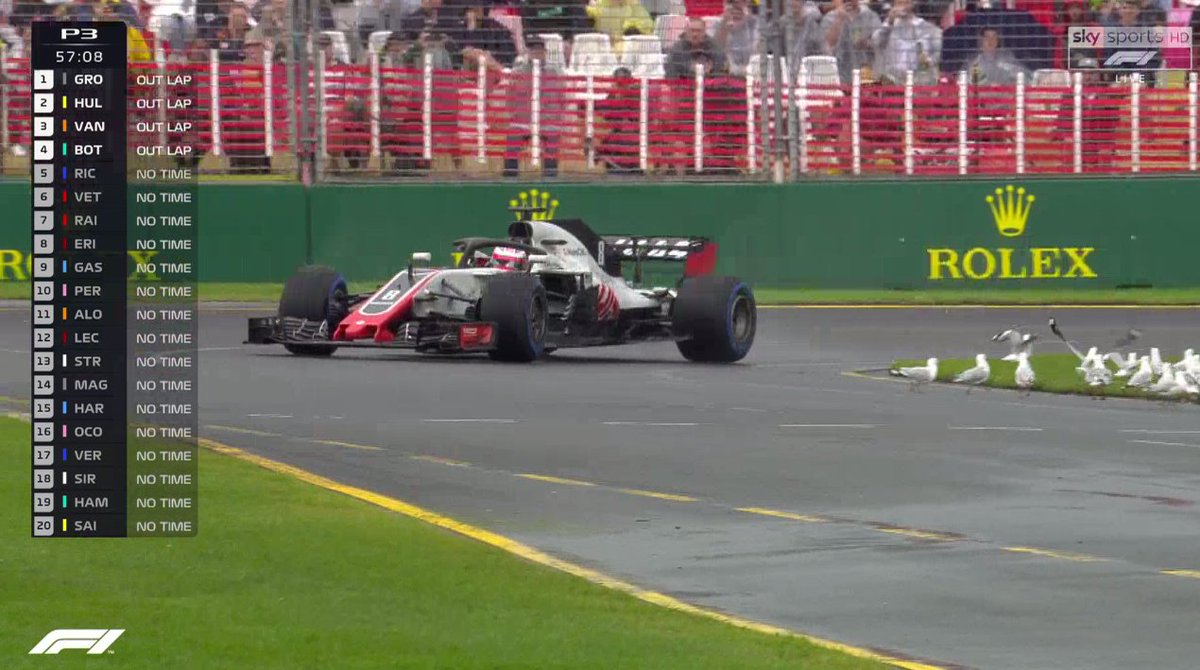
(922, 374)
(1181, 387)
(1124, 367)
(1017, 342)
(1165, 382)
(976, 375)
(1128, 339)
(1086, 360)
(1024, 374)
(1185, 361)
(1156, 362)
(1097, 375)
(1143, 376)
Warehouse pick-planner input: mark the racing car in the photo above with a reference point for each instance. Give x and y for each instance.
(547, 285)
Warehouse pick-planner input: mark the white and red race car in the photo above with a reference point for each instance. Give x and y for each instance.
(548, 285)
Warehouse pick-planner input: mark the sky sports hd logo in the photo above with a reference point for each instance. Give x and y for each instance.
(1133, 48)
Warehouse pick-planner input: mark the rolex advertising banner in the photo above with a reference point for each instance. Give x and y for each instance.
(1009, 232)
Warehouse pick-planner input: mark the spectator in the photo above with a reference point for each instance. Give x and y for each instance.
(801, 26)
(393, 12)
(14, 45)
(430, 18)
(272, 25)
(396, 50)
(211, 16)
(1195, 25)
(232, 36)
(693, 46)
(612, 17)
(1074, 13)
(565, 17)
(326, 46)
(737, 35)
(618, 118)
(484, 38)
(137, 51)
(1130, 15)
(992, 65)
(906, 42)
(848, 28)
(520, 97)
(242, 116)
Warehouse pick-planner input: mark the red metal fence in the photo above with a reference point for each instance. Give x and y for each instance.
(378, 120)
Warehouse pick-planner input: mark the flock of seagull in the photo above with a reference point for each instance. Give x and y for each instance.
(1149, 372)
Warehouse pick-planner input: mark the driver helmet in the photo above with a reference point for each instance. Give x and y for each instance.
(507, 258)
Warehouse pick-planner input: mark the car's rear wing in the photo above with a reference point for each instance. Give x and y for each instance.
(698, 254)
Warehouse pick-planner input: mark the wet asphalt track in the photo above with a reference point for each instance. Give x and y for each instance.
(988, 530)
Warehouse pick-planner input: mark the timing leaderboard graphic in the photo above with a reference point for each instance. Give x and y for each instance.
(114, 295)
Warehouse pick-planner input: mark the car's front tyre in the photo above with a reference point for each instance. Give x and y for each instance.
(314, 293)
(517, 304)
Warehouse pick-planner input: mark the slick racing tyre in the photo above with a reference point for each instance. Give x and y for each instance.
(516, 303)
(315, 293)
(716, 317)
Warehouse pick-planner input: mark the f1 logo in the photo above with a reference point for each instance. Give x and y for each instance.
(80, 33)
(1138, 57)
(95, 640)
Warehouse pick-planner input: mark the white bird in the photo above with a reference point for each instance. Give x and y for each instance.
(1185, 361)
(1017, 342)
(1143, 376)
(1092, 357)
(976, 375)
(1097, 375)
(917, 375)
(1183, 385)
(1166, 381)
(1024, 374)
(1124, 367)
(1156, 362)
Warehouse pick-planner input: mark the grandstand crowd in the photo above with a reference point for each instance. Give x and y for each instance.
(925, 43)
(884, 39)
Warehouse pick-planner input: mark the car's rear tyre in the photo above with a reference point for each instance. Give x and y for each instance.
(314, 293)
(716, 317)
(516, 303)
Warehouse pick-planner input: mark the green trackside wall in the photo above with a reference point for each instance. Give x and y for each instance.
(918, 234)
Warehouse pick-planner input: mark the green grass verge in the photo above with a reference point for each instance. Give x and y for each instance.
(1055, 374)
(269, 292)
(287, 575)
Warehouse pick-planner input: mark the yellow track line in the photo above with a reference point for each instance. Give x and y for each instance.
(1064, 555)
(555, 480)
(919, 534)
(247, 431)
(537, 556)
(661, 496)
(440, 460)
(1194, 574)
(348, 445)
(782, 515)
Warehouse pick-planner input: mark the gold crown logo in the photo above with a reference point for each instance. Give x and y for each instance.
(533, 205)
(1010, 211)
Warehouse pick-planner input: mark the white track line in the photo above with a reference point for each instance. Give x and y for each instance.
(828, 425)
(1165, 444)
(667, 424)
(1010, 428)
(272, 416)
(1163, 432)
(469, 420)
